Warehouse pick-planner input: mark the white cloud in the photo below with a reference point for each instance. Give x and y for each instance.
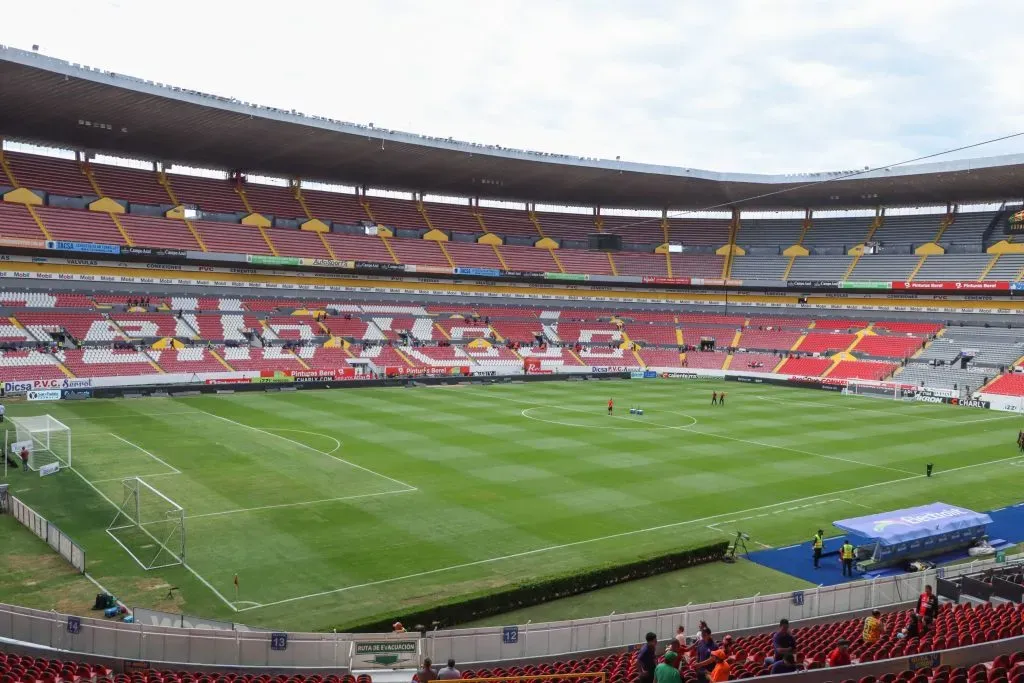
(735, 85)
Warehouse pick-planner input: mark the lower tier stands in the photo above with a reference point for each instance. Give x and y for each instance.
(1007, 385)
(28, 364)
(707, 360)
(820, 267)
(824, 342)
(943, 376)
(808, 367)
(195, 359)
(870, 370)
(888, 346)
(107, 362)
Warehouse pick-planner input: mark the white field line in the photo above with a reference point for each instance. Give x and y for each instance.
(315, 450)
(300, 504)
(183, 564)
(132, 416)
(173, 469)
(708, 434)
(337, 444)
(623, 534)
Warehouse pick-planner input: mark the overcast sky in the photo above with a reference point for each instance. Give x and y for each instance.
(727, 85)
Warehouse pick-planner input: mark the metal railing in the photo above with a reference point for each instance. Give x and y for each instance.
(41, 527)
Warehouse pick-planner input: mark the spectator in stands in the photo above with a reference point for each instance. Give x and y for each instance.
(872, 628)
(783, 640)
(928, 605)
(426, 673)
(675, 647)
(397, 627)
(680, 632)
(647, 657)
(703, 648)
(914, 629)
(786, 665)
(718, 662)
(449, 673)
(668, 670)
(840, 656)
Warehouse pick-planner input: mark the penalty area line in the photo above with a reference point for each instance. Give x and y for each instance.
(622, 534)
(300, 504)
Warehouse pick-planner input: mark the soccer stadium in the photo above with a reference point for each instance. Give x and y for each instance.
(288, 399)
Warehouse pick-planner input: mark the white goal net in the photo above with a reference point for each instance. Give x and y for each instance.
(47, 439)
(149, 526)
(872, 389)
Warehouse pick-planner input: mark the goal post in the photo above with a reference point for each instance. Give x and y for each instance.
(875, 389)
(149, 526)
(47, 439)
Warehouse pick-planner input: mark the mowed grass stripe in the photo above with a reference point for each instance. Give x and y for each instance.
(495, 484)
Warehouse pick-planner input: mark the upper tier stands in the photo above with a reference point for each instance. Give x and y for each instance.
(901, 234)
(272, 200)
(837, 233)
(211, 195)
(967, 229)
(49, 174)
(768, 235)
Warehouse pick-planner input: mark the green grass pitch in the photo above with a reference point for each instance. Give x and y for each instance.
(333, 507)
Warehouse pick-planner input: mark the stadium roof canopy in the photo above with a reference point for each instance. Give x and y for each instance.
(50, 101)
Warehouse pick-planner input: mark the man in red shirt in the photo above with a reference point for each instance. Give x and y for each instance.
(611, 405)
(841, 655)
(24, 457)
(928, 605)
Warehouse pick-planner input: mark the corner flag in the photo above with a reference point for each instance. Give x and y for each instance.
(236, 586)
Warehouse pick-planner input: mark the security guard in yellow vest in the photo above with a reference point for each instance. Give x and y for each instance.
(818, 545)
(846, 553)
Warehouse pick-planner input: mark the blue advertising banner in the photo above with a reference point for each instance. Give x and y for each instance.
(87, 247)
(479, 272)
(1017, 286)
(911, 524)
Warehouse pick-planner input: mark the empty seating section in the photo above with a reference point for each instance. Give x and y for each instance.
(387, 357)
(384, 327)
(320, 358)
(270, 358)
(132, 185)
(291, 242)
(1007, 385)
(590, 262)
(903, 233)
(967, 229)
(452, 217)
(508, 221)
(657, 335)
(352, 328)
(942, 376)
(79, 226)
(639, 263)
(12, 333)
(759, 267)
(294, 327)
(44, 300)
(209, 194)
(1008, 267)
(458, 330)
(697, 265)
(158, 232)
(529, 259)
(819, 267)
(187, 360)
(550, 356)
(335, 206)
(419, 252)
(706, 360)
(888, 346)
(710, 232)
(16, 221)
(588, 333)
(215, 327)
(231, 238)
(661, 358)
(780, 322)
(855, 369)
(493, 356)
(763, 235)
(992, 347)
(517, 331)
(953, 267)
(28, 364)
(600, 356)
(566, 225)
(809, 367)
(467, 255)
(693, 334)
(49, 174)
(274, 200)
(839, 324)
(359, 248)
(837, 233)
(106, 362)
(768, 340)
(397, 213)
(150, 325)
(899, 327)
(635, 229)
(83, 326)
(821, 342)
(711, 319)
(883, 267)
(754, 362)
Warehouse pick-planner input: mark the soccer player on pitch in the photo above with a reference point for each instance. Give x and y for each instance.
(714, 398)
(611, 404)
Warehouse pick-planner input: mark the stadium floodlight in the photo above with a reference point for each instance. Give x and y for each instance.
(149, 526)
(47, 439)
